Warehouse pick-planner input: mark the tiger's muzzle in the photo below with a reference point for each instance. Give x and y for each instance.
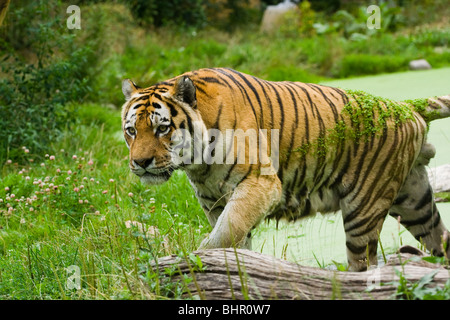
(149, 173)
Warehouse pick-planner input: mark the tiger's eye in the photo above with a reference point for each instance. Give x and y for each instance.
(163, 128)
(131, 131)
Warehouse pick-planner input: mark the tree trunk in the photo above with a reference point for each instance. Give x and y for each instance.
(243, 274)
(3, 8)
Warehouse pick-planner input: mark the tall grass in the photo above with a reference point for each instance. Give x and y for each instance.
(81, 207)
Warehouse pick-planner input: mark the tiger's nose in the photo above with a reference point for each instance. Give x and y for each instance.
(144, 163)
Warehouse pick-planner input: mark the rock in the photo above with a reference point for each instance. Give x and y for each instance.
(273, 15)
(440, 178)
(420, 64)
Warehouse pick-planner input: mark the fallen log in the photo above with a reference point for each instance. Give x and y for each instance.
(242, 274)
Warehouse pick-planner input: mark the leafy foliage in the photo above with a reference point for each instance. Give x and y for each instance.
(180, 13)
(34, 92)
(421, 290)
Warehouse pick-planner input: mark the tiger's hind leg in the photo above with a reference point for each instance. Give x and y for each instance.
(365, 199)
(417, 209)
(364, 211)
(362, 235)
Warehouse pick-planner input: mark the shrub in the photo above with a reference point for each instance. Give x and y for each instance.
(32, 103)
(34, 90)
(180, 13)
(290, 73)
(362, 64)
(229, 15)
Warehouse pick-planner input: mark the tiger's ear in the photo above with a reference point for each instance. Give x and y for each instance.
(128, 87)
(185, 91)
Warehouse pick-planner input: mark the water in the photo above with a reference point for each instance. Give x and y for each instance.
(320, 240)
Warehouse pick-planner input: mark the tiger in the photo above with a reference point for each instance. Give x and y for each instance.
(334, 149)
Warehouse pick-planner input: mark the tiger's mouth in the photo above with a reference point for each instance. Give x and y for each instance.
(156, 178)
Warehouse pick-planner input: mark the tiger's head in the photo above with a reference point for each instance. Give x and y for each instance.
(150, 117)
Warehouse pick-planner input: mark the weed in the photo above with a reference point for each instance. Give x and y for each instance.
(421, 290)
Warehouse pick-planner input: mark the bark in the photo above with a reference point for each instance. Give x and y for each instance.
(243, 274)
(3, 8)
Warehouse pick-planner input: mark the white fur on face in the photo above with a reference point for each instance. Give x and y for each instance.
(160, 116)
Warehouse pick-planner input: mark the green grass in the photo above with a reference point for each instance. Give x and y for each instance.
(70, 207)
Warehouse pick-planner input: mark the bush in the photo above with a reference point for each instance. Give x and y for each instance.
(180, 13)
(290, 73)
(362, 64)
(38, 80)
(32, 104)
(229, 15)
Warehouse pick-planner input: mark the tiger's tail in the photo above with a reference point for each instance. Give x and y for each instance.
(433, 108)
